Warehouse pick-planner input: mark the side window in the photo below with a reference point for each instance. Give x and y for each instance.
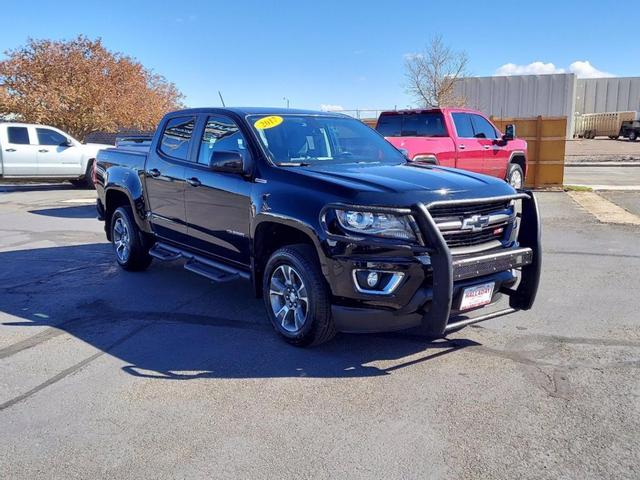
(18, 135)
(221, 134)
(462, 121)
(50, 137)
(176, 137)
(390, 125)
(482, 128)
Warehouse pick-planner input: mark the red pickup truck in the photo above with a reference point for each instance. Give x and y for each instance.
(456, 137)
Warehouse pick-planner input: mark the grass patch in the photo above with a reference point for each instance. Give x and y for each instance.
(577, 188)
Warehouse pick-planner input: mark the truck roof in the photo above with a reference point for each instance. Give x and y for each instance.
(257, 111)
(429, 110)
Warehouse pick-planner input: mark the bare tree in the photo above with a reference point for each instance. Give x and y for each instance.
(81, 87)
(431, 74)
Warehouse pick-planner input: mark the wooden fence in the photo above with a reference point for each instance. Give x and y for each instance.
(546, 142)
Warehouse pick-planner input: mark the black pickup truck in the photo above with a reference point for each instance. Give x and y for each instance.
(331, 224)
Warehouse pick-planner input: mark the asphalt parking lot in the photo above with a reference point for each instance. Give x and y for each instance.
(109, 374)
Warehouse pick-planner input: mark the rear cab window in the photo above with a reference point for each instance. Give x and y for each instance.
(18, 135)
(425, 124)
(176, 137)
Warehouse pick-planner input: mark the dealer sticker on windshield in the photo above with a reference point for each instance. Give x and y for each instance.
(477, 296)
(268, 122)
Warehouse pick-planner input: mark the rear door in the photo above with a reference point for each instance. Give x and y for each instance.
(19, 151)
(165, 177)
(56, 158)
(218, 204)
(495, 154)
(470, 149)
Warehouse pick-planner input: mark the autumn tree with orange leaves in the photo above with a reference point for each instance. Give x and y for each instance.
(81, 87)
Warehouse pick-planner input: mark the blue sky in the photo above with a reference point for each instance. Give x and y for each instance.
(326, 52)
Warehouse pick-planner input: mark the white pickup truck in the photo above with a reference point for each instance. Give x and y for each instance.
(39, 151)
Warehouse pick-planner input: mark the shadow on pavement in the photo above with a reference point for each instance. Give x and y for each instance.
(36, 187)
(167, 323)
(79, 211)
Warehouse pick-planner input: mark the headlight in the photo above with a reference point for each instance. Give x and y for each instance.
(384, 225)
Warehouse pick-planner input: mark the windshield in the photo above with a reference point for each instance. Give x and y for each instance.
(295, 140)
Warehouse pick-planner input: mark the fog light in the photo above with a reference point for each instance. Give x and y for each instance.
(372, 279)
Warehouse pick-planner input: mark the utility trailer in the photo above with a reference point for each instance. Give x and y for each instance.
(608, 124)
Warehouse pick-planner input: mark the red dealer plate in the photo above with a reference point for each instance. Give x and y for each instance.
(477, 296)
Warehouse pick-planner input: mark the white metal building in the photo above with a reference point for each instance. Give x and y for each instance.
(550, 95)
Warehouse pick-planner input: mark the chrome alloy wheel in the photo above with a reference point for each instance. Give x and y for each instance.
(288, 296)
(516, 179)
(121, 240)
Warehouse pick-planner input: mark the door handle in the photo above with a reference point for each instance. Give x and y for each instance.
(154, 172)
(461, 147)
(10, 150)
(486, 147)
(43, 150)
(194, 182)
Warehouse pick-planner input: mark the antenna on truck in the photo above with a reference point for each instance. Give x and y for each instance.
(221, 99)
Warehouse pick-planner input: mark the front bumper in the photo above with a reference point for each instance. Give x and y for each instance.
(434, 279)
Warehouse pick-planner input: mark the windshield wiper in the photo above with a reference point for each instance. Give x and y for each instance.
(292, 164)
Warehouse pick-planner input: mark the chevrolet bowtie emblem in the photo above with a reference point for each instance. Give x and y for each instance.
(475, 223)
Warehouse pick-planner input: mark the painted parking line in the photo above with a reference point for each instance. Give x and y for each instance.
(79, 200)
(604, 210)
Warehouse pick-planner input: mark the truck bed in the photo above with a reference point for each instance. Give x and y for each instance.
(124, 157)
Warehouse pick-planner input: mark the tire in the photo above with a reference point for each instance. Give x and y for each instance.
(515, 176)
(129, 245)
(633, 136)
(302, 322)
(87, 180)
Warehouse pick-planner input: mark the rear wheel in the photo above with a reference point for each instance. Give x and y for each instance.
(633, 136)
(128, 241)
(296, 296)
(515, 176)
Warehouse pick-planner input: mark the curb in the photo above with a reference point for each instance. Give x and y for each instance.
(631, 163)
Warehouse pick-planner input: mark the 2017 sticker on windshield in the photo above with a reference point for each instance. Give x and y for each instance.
(268, 122)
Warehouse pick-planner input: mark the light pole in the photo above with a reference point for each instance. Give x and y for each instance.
(286, 100)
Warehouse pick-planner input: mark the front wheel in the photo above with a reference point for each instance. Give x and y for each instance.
(87, 180)
(633, 136)
(515, 176)
(296, 296)
(128, 243)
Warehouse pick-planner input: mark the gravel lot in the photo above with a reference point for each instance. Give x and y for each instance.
(602, 150)
(108, 374)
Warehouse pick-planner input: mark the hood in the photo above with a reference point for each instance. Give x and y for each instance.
(407, 182)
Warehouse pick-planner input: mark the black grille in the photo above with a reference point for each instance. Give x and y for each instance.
(447, 211)
(469, 238)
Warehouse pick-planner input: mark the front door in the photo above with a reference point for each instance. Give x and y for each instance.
(56, 157)
(218, 204)
(470, 149)
(19, 152)
(164, 178)
(495, 154)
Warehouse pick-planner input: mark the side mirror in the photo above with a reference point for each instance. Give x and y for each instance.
(227, 162)
(509, 132)
(67, 143)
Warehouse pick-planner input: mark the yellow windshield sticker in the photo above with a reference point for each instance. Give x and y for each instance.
(268, 122)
